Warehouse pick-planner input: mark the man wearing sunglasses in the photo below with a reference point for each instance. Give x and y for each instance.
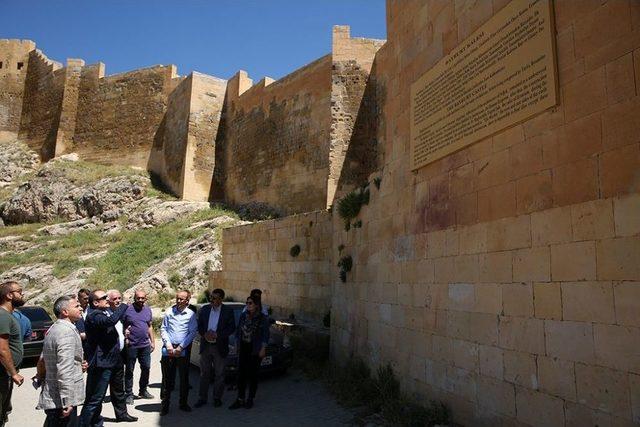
(103, 356)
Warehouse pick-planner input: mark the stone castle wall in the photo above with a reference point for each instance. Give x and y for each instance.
(282, 143)
(183, 150)
(119, 115)
(166, 160)
(501, 279)
(354, 119)
(12, 79)
(206, 106)
(276, 139)
(42, 103)
(259, 256)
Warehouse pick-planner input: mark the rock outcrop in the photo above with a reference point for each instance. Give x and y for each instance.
(16, 160)
(51, 195)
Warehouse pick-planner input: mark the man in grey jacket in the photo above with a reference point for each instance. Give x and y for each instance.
(63, 389)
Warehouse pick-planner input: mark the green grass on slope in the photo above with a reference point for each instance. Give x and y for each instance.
(129, 253)
(62, 252)
(19, 230)
(83, 173)
(140, 249)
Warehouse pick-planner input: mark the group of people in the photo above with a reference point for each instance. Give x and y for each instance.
(97, 334)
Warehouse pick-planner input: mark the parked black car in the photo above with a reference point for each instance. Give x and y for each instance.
(40, 323)
(279, 354)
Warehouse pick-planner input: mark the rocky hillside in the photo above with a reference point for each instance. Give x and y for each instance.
(69, 224)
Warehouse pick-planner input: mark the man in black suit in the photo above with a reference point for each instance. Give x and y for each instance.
(215, 324)
(103, 356)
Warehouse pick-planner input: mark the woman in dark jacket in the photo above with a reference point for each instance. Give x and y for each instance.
(252, 337)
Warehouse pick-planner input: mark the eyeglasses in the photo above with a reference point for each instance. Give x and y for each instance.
(102, 298)
(181, 299)
(141, 298)
(250, 303)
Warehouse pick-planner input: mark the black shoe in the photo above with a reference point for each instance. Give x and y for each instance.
(185, 408)
(126, 418)
(248, 404)
(164, 409)
(144, 394)
(239, 403)
(217, 403)
(200, 403)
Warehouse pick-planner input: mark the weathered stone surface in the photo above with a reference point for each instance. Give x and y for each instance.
(50, 195)
(158, 212)
(16, 160)
(47, 196)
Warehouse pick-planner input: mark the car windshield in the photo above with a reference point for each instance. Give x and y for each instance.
(35, 314)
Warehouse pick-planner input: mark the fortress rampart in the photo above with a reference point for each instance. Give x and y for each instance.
(204, 137)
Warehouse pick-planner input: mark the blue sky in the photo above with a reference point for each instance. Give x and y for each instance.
(218, 37)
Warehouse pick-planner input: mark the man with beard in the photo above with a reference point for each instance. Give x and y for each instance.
(139, 346)
(11, 350)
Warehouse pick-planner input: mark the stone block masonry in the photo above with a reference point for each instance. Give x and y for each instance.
(14, 61)
(259, 256)
(119, 115)
(183, 152)
(501, 279)
(42, 104)
(283, 143)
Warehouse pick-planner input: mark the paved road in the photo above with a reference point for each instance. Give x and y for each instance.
(281, 401)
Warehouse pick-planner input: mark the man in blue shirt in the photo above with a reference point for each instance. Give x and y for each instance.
(179, 328)
(25, 325)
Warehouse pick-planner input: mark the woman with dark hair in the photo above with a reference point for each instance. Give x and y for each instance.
(252, 337)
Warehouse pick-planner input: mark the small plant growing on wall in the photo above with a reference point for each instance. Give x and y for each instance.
(357, 224)
(349, 206)
(345, 264)
(294, 251)
(377, 181)
(340, 247)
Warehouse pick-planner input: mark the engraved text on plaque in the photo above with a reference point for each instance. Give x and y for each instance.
(502, 74)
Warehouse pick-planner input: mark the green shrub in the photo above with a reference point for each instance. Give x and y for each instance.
(294, 251)
(377, 181)
(346, 263)
(203, 298)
